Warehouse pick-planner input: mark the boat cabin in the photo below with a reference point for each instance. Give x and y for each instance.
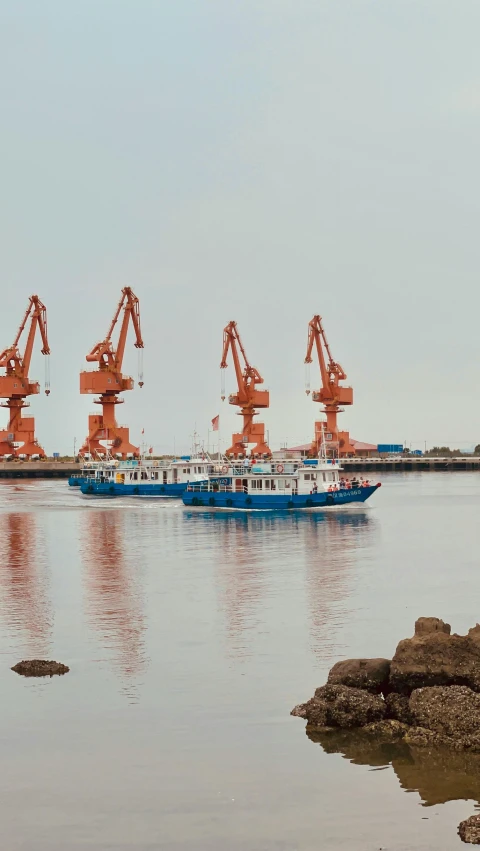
(180, 471)
(283, 477)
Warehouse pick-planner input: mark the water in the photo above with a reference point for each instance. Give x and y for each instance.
(190, 636)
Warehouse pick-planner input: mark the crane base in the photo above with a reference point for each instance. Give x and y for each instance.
(28, 448)
(113, 439)
(19, 436)
(241, 449)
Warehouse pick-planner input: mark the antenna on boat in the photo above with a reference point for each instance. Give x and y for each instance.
(322, 450)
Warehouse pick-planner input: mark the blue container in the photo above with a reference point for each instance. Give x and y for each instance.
(390, 448)
(56, 455)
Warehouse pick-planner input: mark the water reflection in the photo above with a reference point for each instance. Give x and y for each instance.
(114, 592)
(24, 582)
(437, 775)
(240, 576)
(256, 552)
(333, 542)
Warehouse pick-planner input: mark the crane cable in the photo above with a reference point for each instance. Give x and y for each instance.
(47, 375)
(307, 379)
(140, 367)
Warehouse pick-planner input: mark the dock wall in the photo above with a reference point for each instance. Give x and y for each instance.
(62, 470)
(37, 469)
(408, 465)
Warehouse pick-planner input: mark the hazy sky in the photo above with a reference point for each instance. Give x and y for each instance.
(256, 160)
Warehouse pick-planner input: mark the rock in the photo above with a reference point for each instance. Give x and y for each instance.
(300, 711)
(386, 730)
(341, 706)
(427, 625)
(314, 712)
(420, 737)
(369, 674)
(433, 657)
(398, 708)
(39, 668)
(450, 712)
(469, 830)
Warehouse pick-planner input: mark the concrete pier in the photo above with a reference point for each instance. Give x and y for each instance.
(401, 464)
(38, 469)
(404, 463)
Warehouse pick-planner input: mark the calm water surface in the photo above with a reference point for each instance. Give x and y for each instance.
(190, 636)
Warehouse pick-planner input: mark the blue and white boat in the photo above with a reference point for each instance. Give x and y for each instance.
(148, 478)
(89, 469)
(278, 485)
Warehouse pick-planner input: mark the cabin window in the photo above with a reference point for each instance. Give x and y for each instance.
(135, 476)
(164, 477)
(267, 484)
(307, 477)
(256, 484)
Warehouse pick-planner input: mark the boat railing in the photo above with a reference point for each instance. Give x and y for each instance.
(203, 487)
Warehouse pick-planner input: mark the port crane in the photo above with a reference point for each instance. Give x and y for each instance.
(18, 438)
(108, 381)
(247, 398)
(331, 394)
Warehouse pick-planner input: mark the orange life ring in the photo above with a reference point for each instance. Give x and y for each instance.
(279, 468)
(224, 469)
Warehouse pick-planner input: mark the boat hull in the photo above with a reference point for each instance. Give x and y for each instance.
(276, 501)
(75, 481)
(112, 489)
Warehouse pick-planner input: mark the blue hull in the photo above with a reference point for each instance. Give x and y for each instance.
(276, 501)
(76, 481)
(110, 489)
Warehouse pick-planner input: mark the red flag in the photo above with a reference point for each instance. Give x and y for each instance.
(151, 450)
(143, 431)
(215, 422)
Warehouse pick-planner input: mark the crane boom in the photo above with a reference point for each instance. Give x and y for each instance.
(247, 398)
(331, 393)
(19, 438)
(108, 381)
(103, 352)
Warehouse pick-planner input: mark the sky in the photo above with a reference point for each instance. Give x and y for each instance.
(251, 160)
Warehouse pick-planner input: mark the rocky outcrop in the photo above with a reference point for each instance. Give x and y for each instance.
(341, 706)
(434, 657)
(39, 668)
(369, 674)
(398, 708)
(452, 712)
(429, 694)
(469, 830)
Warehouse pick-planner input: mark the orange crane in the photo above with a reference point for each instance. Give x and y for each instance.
(247, 398)
(331, 394)
(19, 437)
(108, 381)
